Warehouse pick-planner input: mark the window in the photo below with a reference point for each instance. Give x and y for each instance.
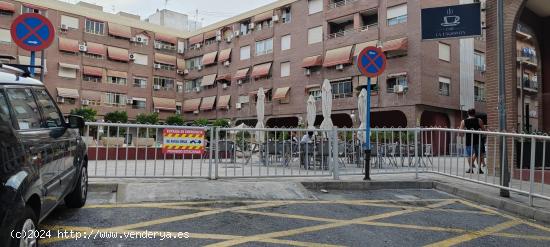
(91, 78)
(245, 28)
(444, 52)
(95, 27)
(140, 82)
(264, 25)
(166, 66)
(244, 99)
(4, 110)
(286, 16)
(5, 35)
(191, 85)
(116, 80)
(51, 114)
(315, 6)
(141, 59)
(479, 91)
(163, 83)
(397, 14)
(162, 45)
(444, 86)
(392, 82)
(264, 47)
(67, 72)
(316, 93)
(285, 42)
(69, 21)
(285, 69)
(315, 35)
(342, 88)
(139, 104)
(28, 9)
(245, 52)
(179, 88)
(479, 61)
(24, 108)
(193, 63)
(115, 99)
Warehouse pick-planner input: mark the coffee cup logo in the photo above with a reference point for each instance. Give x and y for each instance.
(450, 20)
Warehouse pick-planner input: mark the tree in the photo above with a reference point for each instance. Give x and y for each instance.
(223, 123)
(145, 118)
(116, 117)
(87, 113)
(174, 120)
(201, 122)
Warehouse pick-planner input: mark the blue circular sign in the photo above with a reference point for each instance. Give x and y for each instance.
(32, 32)
(371, 62)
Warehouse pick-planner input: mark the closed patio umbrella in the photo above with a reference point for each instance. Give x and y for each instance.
(260, 112)
(326, 98)
(362, 114)
(311, 112)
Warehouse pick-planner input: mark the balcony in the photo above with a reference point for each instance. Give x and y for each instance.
(528, 57)
(529, 84)
(339, 3)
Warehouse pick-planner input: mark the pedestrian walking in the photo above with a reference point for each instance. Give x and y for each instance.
(473, 141)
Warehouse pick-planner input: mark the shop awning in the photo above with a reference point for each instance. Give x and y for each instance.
(224, 55)
(359, 47)
(338, 56)
(119, 30)
(312, 61)
(166, 38)
(209, 58)
(395, 45)
(68, 45)
(90, 95)
(210, 34)
(241, 74)
(261, 70)
(208, 103)
(281, 93)
(196, 39)
(164, 104)
(263, 16)
(8, 7)
(191, 105)
(118, 54)
(67, 93)
(119, 74)
(181, 63)
(69, 66)
(223, 102)
(224, 77)
(95, 48)
(165, 59)
(208, 80)
(92, 71)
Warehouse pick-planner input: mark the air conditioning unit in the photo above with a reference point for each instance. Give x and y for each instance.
(140, 40)
(133, 39)
(181, 51)
(275, 18)
(199, 67)
(236, 33)
(240, 82)
(82, 48)
(219, 38)
(198, 89)
(340, 67)
(307, 72)
(198, 46)
(64, 27)
(60, 100)
(157, 66)
(158, 46)
(251, 25)
(239, 105)
(226, 63)
(224, 85)
(180, 72)
(132, 57)
(129, 101)
(228, 39)
(156, 87)
(185, 71)
(85, 102)
(196, 112)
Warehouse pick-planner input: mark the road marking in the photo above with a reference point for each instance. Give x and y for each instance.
(526, 237)
(475, 235)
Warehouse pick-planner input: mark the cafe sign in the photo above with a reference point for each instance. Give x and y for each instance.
(457, 21)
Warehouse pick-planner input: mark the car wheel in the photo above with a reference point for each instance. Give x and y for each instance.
(26, 225)
(77, 198)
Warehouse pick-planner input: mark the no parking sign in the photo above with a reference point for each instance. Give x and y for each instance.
(32, 32)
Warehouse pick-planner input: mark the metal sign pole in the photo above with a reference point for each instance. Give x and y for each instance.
(42, 66)
(367, 132)
(33, 57)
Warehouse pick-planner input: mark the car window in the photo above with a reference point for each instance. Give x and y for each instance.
(52, 117)
(24, 108)
(4, 110)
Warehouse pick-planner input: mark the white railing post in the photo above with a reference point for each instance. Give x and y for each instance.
(416, 152)
(532, 171)
(214, 147)
(334, 139)
(212, 140)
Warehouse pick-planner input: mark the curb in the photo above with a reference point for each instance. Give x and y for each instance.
(368, 185)
(101, 187)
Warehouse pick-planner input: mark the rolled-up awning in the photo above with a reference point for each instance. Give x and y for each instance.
(139, 99)
(393, 75)
(223, 102)
(92, 71)
(208, 80)
(67, 93)
(224, 77)
(95, 48)
(191, 105)
(210, 34)
(312, 61)
(361, 46)
(119, 74)
(69, 66)
(209, 58)
(90, 95)
(281, 93)
(208, 103)
(261, 70)
(120, 30)
(196, 39)
(165, 59)
(241, 74)
(166, 38)
(224, 55)
(118, 54)
(263, 16)
(401, 44)
(181, 63)
(8, 7)
(164, 104)
(311, 86)
(338, 56)
(68, 45)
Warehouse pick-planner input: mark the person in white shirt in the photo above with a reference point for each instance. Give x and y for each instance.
(307, 138)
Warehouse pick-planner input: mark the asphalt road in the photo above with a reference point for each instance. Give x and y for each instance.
(337, 218)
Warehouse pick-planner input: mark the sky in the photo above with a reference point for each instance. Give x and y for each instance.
(209, 11)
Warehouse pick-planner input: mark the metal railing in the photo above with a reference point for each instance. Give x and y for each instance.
(350, 31)
(336, 4)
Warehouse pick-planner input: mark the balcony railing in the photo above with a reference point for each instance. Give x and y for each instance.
(527, 58)
(529, 84)
(336, 4)
(352, 30)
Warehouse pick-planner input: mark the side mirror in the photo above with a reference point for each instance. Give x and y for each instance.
(76, 122)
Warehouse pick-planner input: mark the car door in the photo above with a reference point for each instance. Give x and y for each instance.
(37, 141)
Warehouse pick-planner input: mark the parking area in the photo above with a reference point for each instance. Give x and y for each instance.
(336, 218)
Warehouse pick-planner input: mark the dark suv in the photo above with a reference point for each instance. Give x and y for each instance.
(42, 159)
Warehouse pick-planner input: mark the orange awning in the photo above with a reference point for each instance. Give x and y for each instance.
(118, 54)
(90, 95)
(120, 30)
(338, 56)
(224, 77)
(208, 103)
(209, 58)
(281, 93)
(95, 48)
(261, 70)
(208, 80)
(119, 74)
(181, 63)
(263, 16)
(165, 59)
(210, 34)
(8, 7)
(361, 46)
(196, 39)
(92, 71)
(164, 104)
(166, 38)
(191, 105)
(69, 45)
(396, 45)
(241, 74)
(312, 61)
(224, 55)
(67, 93)
(223, 102)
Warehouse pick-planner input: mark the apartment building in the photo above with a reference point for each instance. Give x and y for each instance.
(116, 62)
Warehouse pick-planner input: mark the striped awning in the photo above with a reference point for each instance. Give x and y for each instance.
(261, 70)
(338, 56)
(8, 7)
(223, 102)
(210, 34)
(241, 74)
(118, 54)
(67, 93)
(69, 66)
(401, 44)
(120, 30)
(90, 95)
(92, 71)
(164, 104)
(225, 55)
(312, 61)
(209, 58)
(191, 105)
(196, 39)
(361, 46)
(180, 63)
(281, 93)
(95, 48)
(166, 38)
(224, 77)
(208, 103)
(68, 45)
(119, 74)
(263, 16)
(208, 80)
(165, 59)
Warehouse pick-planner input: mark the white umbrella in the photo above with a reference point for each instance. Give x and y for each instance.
(260, 111)
(237, 128)
(362, 113)
(311, 112)
(326, 98)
